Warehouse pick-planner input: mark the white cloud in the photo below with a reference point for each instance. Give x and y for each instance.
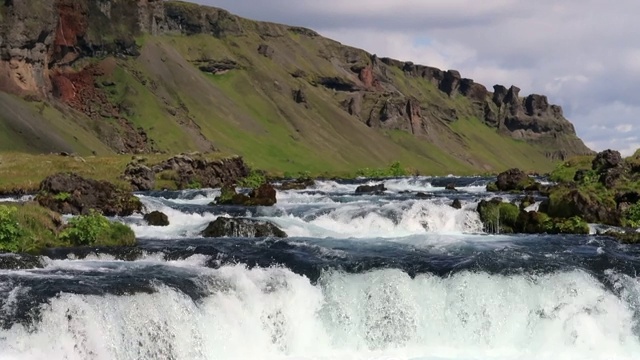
(583, 54)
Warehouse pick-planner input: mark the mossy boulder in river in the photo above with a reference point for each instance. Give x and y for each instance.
(242, 227)
(498, 216)
(264, 195)
(514, 180)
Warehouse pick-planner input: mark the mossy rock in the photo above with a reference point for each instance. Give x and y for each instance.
(498, 216)
(587, 203)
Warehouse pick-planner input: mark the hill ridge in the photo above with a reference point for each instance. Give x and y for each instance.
(119, 76)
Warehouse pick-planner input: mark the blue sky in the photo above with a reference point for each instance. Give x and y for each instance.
(583, 54)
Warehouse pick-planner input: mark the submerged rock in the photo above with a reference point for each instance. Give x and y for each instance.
(456, 204)
(156, 218)
(19, 261)
(242, 227)
(371, 189)
(296, 184)
(70, 193)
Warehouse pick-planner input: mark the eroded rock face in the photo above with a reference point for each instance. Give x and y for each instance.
(70, 193)
(243, 228)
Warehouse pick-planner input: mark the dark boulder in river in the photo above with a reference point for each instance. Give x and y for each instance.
(242, 227)
(70, 193)
(514, 180)
(371, 189)
(156, 218)
(264, 195)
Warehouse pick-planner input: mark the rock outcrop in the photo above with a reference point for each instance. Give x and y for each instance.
(195, 170)
(242, 228)
(70, 193)
(49, 51)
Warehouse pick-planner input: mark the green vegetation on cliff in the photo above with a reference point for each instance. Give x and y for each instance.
(176, 77)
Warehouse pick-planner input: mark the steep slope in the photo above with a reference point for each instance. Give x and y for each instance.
(146, 76)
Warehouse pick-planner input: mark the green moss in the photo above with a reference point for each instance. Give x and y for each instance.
(566, 171)
(498, 216)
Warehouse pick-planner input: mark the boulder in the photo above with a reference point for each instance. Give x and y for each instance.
(242, 227)
(264, 195)
(515, 180)
(456, 204)
(371, 189)
(450, 187)
(567, 202)
(70, 193)
(612, 176)
(194, 170)
(266, 50)
(498, 216)
(421, 195)
(297, 184)
(156, 218)
(606, 160)
(10, 261)
(140, 176)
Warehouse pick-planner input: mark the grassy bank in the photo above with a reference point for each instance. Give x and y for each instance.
(20, 172)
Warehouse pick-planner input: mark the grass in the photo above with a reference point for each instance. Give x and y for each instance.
(566, 171)
(24, 172)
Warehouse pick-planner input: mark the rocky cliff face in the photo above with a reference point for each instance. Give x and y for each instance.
(70, 51)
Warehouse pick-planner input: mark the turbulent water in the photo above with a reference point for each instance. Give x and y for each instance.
(360, 277)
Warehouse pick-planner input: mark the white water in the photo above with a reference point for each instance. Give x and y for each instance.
(275, 314)
(354, 217)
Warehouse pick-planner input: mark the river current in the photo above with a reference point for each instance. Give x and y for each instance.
(388, 276)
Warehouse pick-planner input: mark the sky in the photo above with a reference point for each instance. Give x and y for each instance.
(583, 54)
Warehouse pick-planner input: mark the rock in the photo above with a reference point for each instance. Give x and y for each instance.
(492, 187)
(156, 218)
(456, 204)
(195, 170)
(70, 193)
(450, 187)
(297, 184)
(371, 189)
(265, 195)
(19, 261)
(421, 195)
(612, 176)
(581, 175)
(606, 160)
(266, 50)
(299, 96)
(242, 227)
(451, 82)
(498, 216)
(515, 180)
(567, 202)
(218, 66)
(140, 176)
(626, 200)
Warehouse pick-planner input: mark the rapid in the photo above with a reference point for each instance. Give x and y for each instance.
(389, 276)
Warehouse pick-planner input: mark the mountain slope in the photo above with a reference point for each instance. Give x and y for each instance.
(147, 76)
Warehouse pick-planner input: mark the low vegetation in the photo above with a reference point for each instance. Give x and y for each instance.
(29, 227)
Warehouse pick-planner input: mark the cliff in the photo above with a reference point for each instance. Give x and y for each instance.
(137, 76)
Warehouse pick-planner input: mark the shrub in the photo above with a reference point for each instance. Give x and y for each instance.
(95, 229)
(394, 170)
(632, 216)
(253, 180)
(63, 196)
(10, 230)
